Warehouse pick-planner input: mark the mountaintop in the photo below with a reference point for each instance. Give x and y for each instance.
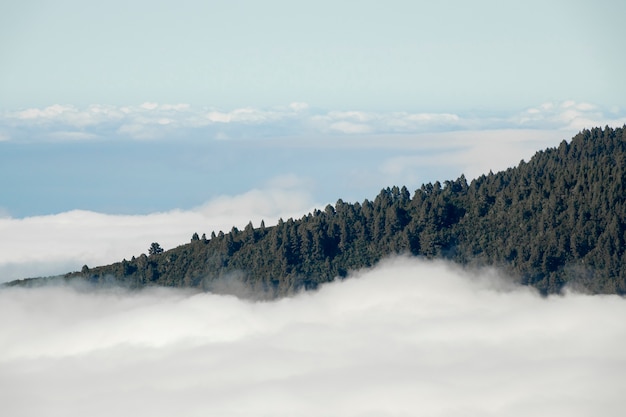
(557, 220)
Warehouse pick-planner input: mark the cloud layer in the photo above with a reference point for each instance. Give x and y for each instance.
(59, 243)
(158, 121)
(406, 338)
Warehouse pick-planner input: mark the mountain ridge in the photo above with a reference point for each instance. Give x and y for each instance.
(557, 220)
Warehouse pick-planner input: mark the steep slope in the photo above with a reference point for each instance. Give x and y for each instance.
(559, 218)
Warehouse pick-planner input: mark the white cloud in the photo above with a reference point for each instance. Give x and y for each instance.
(351, 122)
(356, 116)
(428, 117)
(46, 113)
(298, 106)
(568, 116)
(471, 153)
(137, 122)
(349, 127)
(66, 115)
(476, 153)
(149, 106)
(54, 244)
(256, 205)
(406, 338)
(246, 115)
(176, 107)
(218, 117)
(153, 120)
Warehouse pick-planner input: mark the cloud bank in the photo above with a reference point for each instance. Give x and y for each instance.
(407, 338)
(161, 121)
(60, 243)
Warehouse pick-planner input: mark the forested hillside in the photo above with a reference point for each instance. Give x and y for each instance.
(558, 218)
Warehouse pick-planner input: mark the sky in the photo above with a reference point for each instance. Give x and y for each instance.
(124, 123)
(349, 55)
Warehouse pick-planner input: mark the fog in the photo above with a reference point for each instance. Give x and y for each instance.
(59, 243)
(406, 338)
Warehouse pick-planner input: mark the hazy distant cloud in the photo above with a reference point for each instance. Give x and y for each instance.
(149, 120)
(54, 244)
(4, 213)
(67, 115)
(405, 168)
(349, 127)
(249, 115)
(72, 135)
(469, 152)
(478, 152)
(569, 115)
(352, 122)
(406, 338)
(149, 106)
(136, 122)
(282, 200)
(245, 115)
(298, 106)
(153, 121)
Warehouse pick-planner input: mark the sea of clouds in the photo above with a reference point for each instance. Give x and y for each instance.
(58, 243)
(406, 338)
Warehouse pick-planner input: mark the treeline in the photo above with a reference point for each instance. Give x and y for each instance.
(559, 218)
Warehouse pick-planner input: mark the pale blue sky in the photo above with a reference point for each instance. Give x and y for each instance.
(340, 55)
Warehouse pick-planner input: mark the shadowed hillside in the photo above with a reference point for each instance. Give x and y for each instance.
(559, 218)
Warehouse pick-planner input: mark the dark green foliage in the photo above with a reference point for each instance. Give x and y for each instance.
(155, 249)
(559, 218)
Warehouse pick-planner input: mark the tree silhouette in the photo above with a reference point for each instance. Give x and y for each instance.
(155, 249)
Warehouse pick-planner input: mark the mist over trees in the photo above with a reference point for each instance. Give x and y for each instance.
(555, 220)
